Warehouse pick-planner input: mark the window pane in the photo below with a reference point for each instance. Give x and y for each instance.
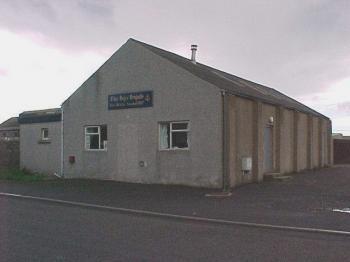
(94, 141)
(179, 140)
(104, 133)
(164, 136)
(92, 130)
(179, 126)
(103, 136)
(44, 133)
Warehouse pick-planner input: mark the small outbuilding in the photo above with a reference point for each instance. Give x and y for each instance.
(9, 129)
(9, 143)
(341, 149)
(41, 140)
(150, 116)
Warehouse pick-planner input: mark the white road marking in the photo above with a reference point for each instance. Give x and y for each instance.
(180, 217)
(345, 210)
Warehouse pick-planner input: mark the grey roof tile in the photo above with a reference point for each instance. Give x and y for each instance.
(10, 123)
(231, 83)
(40, 116)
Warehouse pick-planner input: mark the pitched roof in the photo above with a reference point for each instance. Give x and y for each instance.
(231, 83)
(40, 116)
(11, 123)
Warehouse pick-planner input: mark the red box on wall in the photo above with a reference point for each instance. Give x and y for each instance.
(71, 159)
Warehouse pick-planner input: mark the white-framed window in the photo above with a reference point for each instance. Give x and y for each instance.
(96, 137)
(44, 134)
(174, 135)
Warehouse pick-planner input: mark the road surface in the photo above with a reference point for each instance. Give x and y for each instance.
(39, 231)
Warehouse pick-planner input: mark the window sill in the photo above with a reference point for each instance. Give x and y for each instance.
(95, 150)
(174, 149)
(44, 141)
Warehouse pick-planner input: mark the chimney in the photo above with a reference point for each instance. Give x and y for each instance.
(194, 50)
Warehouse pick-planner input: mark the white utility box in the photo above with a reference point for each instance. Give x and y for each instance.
(246, 164)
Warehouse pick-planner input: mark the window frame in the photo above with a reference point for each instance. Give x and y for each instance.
(43, 138)
(171, 131)
(99, 138)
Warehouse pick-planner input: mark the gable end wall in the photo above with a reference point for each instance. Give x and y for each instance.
(133, 133)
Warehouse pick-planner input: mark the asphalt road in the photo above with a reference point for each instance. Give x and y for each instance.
(306, 200)
(38, 231)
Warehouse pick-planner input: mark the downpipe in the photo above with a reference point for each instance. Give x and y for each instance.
(225, 143)
(62, 140)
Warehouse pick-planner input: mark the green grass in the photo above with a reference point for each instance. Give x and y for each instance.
(20, 175)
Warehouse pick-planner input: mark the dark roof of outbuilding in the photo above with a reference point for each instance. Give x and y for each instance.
(231, 83)
(40, 116)
(10, 123)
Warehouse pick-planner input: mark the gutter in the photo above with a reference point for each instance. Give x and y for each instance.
(62, 130)
(225, 143)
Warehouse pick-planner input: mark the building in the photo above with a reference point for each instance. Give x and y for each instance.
(9, 143)
(341, 149)
(9, 130)
(340, 136)
(151, 116)
(41, 140)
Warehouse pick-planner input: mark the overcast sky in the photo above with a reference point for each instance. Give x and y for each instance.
(300, 47)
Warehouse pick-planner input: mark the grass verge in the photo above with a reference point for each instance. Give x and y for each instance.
(20, 175)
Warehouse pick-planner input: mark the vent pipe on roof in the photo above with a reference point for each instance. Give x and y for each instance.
(194, 50)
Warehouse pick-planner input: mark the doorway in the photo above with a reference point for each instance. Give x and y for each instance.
(268, 149)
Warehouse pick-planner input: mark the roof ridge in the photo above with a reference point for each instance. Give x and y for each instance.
(12, 121)
(228, 79)
(237, 85)
(155, 47)
(42, 110)
(197, 63)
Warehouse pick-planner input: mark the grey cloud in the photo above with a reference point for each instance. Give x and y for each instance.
(96, 8)
(298, 47)
(334, 110)
(344, 108)
(71, 25)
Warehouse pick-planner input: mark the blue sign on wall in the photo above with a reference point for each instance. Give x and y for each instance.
(130, 100)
